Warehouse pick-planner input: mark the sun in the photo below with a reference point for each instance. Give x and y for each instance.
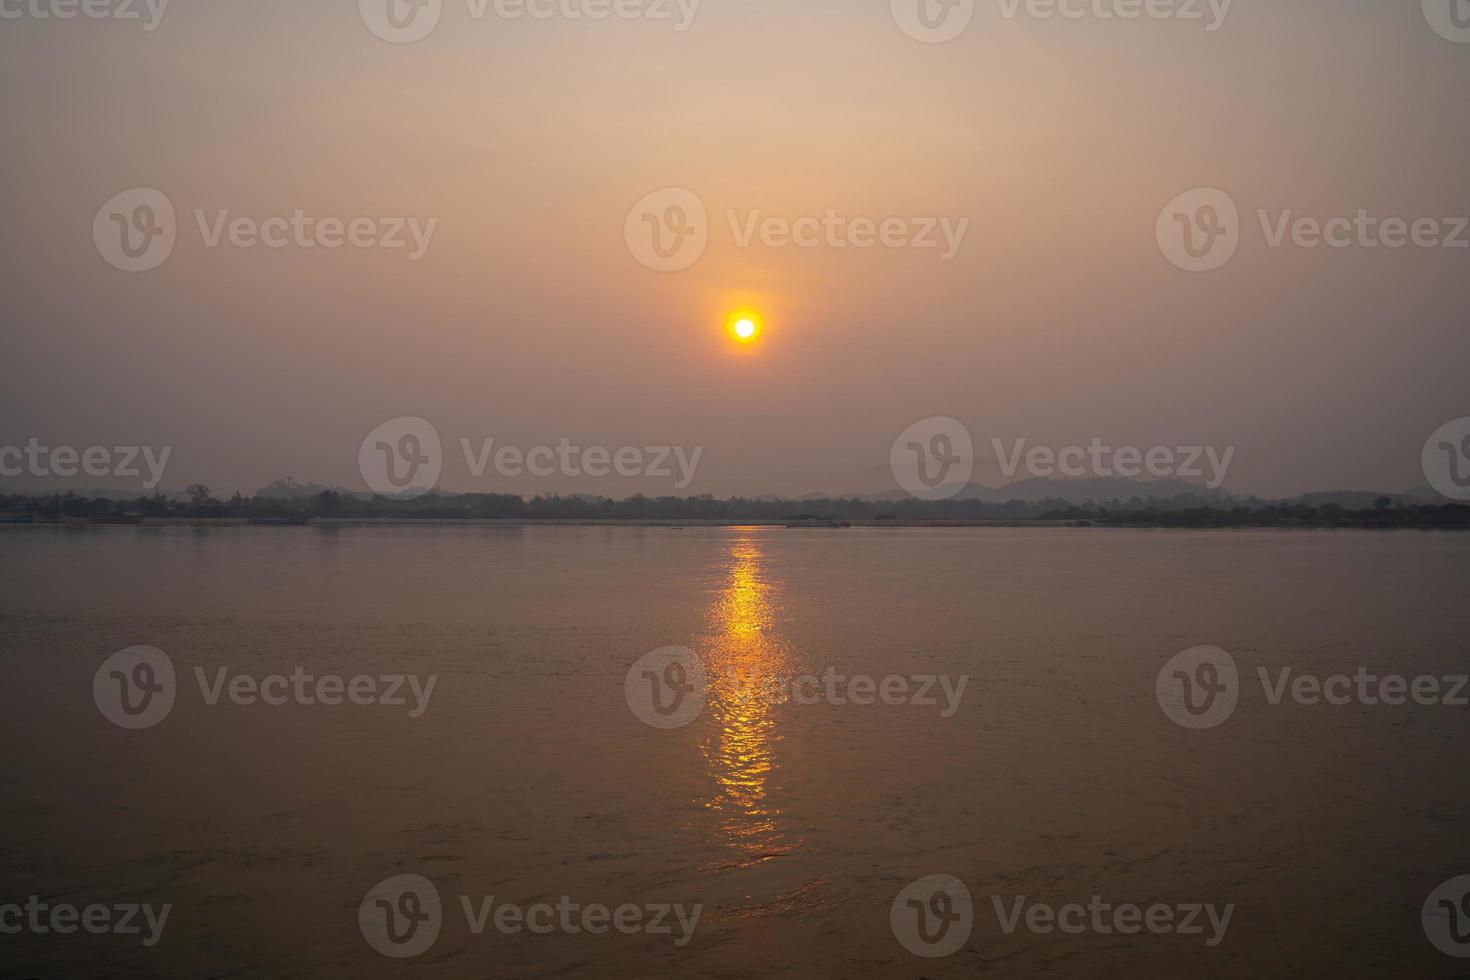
(744, 326)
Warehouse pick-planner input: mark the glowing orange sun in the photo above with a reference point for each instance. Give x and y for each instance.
(744, 326)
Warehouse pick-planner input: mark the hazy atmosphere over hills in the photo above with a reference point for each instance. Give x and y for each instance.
(526, 320)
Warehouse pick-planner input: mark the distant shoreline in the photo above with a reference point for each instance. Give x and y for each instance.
(330, 508)
(371, 522)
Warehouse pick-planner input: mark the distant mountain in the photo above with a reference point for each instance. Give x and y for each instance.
(289, 489)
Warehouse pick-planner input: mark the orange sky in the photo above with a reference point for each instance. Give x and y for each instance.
(528, 319)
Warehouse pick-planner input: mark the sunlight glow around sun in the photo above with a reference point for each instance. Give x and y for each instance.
(744, 326)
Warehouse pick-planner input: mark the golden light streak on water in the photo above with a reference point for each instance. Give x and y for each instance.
(745, 661)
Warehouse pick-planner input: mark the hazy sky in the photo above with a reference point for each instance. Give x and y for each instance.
(529, 319)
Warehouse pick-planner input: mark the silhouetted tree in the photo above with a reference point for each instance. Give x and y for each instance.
(328, 502)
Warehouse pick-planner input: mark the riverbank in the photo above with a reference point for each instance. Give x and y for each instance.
(1191, 524)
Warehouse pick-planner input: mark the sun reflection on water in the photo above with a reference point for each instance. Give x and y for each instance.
(744, 657)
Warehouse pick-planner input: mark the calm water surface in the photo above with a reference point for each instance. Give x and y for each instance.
(528, 777)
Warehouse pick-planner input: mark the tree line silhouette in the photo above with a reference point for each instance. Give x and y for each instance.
(1184, 510)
